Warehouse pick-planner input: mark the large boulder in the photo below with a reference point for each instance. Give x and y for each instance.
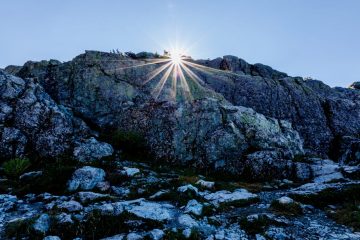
(29, 117)
(322, 115)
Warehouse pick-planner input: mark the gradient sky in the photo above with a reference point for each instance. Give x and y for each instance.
(309, 38)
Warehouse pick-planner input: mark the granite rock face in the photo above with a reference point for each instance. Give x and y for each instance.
(322, 115)
(206, 132)
(30, 118)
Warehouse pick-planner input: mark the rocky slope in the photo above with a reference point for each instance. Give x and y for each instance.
(80, 121)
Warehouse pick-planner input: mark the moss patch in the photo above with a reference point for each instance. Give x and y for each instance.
(292, 209)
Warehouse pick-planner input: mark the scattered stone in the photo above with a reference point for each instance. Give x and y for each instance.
(225, 196)
(70, 206)
(51, 238)
(188, 187)
(156, 234)
(86, 197)
(134, 236)
(42, 224)
(187, 221)
(86, 178)
(206, 184)
(151, 210)
(194, 207)
(103, 186)
(116, 237)
(285, 200)
(30, 176)
(130, 172)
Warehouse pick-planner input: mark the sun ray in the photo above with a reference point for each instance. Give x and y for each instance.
(161, 83)
(174, 84)
(184, 85)
(156, 72)
(142, 65)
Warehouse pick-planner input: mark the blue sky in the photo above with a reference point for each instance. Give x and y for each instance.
(316, 38)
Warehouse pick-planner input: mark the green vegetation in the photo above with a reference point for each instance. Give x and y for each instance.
(292, 209)
(346, 201)
(15, 167)
(19, 228)
(348, 215)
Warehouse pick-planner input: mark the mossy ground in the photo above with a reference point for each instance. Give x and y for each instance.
(289, 209)
(345, 200)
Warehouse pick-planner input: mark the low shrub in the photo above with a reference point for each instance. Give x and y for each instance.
(293, 208)
(15, 167)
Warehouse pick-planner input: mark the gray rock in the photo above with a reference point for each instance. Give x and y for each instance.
(194, 207)
(70, 206)
(35, 119)
(151, 210)
(86, 197)
(86, 178)
(134, 236)
(187, 221)
(225, 196)
(156, 234)
(51, 238)
(92, 150)
(116, 237)
(30, 175)
(42, 224)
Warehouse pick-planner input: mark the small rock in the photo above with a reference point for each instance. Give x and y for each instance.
(51, 238)
(188, 187)
(194, 207)
(86, 178)
(206, 184)
(103, 186)
(225, 196)
(86, 197)
(134, 236)
(30, 175)
(186, 220)
(157, 234)
(187, 232)
(152, 210)
(70, 206)
(42, 224)
(130, 172)
(116, 237)
(285, 200)
(64, 218)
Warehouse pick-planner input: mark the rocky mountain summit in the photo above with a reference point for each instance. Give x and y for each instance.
(242, 152)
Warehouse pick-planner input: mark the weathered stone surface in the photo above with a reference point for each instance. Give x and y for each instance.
(225, 196)
(319, 113)
(92, 150)
(207, 132)
(86, 178)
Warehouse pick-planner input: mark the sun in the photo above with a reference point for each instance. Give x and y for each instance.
(176, 56)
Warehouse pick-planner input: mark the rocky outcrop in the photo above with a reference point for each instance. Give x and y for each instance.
(31, 119)
(322, 115)
(206, 132)
(32, 123)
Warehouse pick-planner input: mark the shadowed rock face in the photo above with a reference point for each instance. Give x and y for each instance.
(29, 117)
(322, 115)
(108, 92)
(207, 132)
